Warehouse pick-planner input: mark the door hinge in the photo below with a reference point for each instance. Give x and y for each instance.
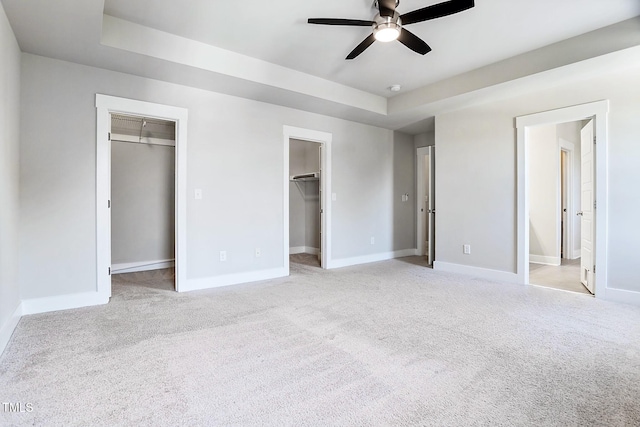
(109, 271)
(109, 136)
(594, 204)
(594, 269)
(108, 204)
(594, 140)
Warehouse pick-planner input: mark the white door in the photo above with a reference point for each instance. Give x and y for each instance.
(587, 207)
(431, 208)
(425, 178)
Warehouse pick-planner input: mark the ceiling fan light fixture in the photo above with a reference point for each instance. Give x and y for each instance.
(387, 32)
(387, 28)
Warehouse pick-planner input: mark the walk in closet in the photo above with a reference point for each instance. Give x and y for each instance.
(142, 194)
(304, 202)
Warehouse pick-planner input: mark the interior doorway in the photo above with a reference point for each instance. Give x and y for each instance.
(310, 179)
(143, 200)
(426, 207)
(587, 196)
(305, 202)
(556, 216)
(144, 111)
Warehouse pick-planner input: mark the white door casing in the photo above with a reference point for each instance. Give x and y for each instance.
(105, 105)
(323, 138)
(587, 206)
(567, 182)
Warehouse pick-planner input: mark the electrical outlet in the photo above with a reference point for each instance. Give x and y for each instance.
(223, 256)
(258, 253)
(466, 249)
(373, 240)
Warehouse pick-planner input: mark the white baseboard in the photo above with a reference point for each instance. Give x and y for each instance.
(621, 295)
(546, 260)
(365, 259)
(484, 273)
(577, 253)
(133, 267)
(303, 250)
(7, 329)
(62, 302)
(232, 279)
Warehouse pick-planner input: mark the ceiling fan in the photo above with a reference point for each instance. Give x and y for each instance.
(388, 25)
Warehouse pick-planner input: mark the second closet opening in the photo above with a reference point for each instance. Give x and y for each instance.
(305, 203)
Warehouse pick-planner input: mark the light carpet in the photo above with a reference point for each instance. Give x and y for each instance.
(385, 344)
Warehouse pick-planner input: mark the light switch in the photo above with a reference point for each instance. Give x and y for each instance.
(198, 194)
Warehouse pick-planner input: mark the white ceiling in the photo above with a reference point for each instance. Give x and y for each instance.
(276, 33)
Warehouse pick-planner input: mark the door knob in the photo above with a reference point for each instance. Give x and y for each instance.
(579, 213)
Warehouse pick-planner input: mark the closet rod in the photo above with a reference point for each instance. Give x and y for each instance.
(144, 143)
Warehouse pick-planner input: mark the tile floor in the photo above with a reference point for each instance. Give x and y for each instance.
(565, 276)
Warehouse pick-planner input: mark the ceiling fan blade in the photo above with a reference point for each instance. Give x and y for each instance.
(413, 42)
(436, 11)
(387, 7)
(332, 21)
(361, 47)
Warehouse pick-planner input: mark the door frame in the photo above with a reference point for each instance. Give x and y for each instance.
(599, 111)
(567, 240)
(323, 138)
(105, 105)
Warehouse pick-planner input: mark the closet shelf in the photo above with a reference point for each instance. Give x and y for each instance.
(311, 176)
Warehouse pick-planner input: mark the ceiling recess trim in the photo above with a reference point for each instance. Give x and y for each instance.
(121, 34)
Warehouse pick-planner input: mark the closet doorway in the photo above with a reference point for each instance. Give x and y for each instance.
(143, 201)
(139, 112)
(305, 207)
(307, 201)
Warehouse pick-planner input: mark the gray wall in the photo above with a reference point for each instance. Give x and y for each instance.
(304, 201)
(234, 154)
(476, 174)
(424, 139)
(142, 202)
(9, 162)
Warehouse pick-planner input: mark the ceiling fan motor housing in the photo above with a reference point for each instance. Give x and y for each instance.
(376, 4)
